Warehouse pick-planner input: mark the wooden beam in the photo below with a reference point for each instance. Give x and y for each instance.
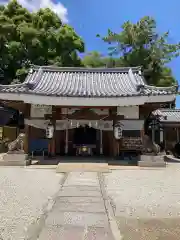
(27, 110)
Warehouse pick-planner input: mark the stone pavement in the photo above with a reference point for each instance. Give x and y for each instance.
(79, 211)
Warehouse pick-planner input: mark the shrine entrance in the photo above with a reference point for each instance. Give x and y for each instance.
(85, 135)
(84, 138)
(85, 142)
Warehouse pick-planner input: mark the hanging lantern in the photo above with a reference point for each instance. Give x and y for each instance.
(50, 131)
(117, 131)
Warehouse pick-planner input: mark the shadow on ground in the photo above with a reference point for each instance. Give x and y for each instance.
(171, 159)
(149, 229)
(114, 162)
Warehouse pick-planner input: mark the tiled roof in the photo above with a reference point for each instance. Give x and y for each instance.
(168, 115)
(86, 82)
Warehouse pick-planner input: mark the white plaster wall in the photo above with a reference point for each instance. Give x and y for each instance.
(130, 112)
(96, 110)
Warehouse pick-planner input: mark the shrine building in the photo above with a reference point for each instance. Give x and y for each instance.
(83, 105)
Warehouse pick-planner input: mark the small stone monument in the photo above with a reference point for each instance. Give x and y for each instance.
(16, 155)
(17, 145)
(151, 154)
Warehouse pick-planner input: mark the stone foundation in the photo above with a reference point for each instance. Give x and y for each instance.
(151, 161)
(85, 167)
(14, 159)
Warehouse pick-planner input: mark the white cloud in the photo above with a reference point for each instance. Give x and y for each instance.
(34, 5)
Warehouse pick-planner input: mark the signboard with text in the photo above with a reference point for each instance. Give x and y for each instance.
(39, 110)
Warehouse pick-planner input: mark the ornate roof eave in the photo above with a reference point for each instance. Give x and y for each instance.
(169, 89)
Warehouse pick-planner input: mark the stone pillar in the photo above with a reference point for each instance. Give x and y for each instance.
(161, 135)
(27, 136)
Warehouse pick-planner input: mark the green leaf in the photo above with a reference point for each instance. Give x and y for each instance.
(34, 38)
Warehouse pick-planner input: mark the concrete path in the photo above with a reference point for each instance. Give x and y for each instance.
(79, 211)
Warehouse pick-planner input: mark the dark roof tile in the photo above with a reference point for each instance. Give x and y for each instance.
(86, 82)
(168, 115)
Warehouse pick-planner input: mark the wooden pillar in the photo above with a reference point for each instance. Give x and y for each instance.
(177, 132)
(53, 142)
(27, 113)
(101, 142)
(142, 132)
(153, 134)
(66, 141)
(114, 146)
(165, 142)
(115, 142)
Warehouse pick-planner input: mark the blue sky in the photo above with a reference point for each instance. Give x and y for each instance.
(90, 17)
(96, 16)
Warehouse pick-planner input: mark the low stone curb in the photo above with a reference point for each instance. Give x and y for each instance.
(109, 210)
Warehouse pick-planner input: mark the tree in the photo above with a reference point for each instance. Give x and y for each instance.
(95, 59)
(140, 45)
(34, 38)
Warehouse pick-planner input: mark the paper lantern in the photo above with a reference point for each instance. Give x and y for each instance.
(117, 131)
(49, 131)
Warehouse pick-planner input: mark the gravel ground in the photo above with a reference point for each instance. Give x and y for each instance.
(146, 202)
(23, 194)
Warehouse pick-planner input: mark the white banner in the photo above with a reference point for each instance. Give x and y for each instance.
(64, 124)
(101, 125)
